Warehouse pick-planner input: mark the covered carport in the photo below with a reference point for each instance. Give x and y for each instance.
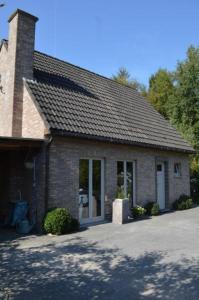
(22, 176)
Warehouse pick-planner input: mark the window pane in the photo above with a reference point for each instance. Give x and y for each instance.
(120, 178)
(96, 199)
(177, 169)
(159, 168)
(84, 188)
(129, 178)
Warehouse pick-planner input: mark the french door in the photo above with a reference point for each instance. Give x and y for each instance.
(160, 169)
(126, 181)
(91, 190)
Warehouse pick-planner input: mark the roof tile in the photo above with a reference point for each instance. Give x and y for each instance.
(81, 102)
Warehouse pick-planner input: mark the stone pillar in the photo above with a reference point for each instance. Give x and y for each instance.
(120, 211)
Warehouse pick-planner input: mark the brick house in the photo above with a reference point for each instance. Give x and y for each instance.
(72, 138)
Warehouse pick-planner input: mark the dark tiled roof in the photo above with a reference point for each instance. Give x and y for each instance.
(78, 102)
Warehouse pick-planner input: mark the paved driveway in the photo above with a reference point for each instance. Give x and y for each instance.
(151, 259)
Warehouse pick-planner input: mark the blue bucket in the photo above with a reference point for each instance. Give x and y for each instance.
(24, 227)
(20, 212)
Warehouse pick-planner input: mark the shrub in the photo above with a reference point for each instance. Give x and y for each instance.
(75, 225)
(149, 207)
(183, 197)
(155, 209)
(183, 202)
(120, 194)
(138, 211)
(195, 199)
(152, 209)
(195, 186)
(58, 221)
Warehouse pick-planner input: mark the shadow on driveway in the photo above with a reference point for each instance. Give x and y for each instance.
(78, 269)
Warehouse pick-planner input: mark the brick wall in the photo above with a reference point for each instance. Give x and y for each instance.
(4, 105)
(32, 123)
(19, 116)
(64, 171)
(16, 64)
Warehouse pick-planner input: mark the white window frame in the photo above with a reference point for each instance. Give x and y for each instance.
(179, 174)
(91, 219)
(125, 178)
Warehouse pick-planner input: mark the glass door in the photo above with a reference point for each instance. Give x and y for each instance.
(126, 181)
(91, 190)
(160, 173)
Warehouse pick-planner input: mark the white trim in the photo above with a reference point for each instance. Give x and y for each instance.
(91, 219)
(125, 178)
(90, 186)
(102, 188)
(179, 173)
(134, 183)
(161, 199)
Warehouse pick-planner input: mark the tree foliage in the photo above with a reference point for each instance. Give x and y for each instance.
(124, 77)
(161, 87)
(176, 96)
(184, 103)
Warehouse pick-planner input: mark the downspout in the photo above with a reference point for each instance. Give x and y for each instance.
(47, 159)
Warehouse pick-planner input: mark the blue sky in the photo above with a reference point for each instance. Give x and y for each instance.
(102, 35)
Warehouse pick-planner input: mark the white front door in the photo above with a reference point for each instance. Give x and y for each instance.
(91, 190)
(161, 184)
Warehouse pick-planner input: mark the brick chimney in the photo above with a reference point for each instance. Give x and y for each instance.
(20, 64)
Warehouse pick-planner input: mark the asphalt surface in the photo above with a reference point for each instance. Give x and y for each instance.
(156, 258)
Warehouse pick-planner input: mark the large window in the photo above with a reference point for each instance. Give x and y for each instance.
(126, 180)
(91, 189)
(84, 188)
(177, 169)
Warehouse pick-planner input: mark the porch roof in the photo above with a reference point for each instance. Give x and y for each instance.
(19, 142)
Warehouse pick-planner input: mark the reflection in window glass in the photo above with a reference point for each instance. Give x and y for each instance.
(120, 177)
(84, 188)
(90, 188)
(159, 168)
(125, 180)
(96, 188)
(177, 169)
(129, 184)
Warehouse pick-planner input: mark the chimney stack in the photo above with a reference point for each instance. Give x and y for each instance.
(20, 64)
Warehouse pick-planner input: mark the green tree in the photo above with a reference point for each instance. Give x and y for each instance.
(184, 108)
(161, 87)
(176, 96)
(184, 104)
(124, 77)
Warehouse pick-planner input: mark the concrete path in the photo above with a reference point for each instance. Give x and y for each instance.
(150, 259)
